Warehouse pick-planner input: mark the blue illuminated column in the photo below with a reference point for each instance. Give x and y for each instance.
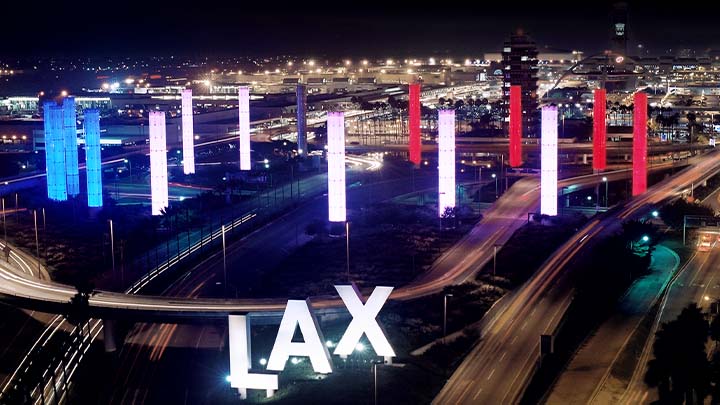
(55, 152)
(92, 158)
(336, 166)
(446, 160)
(244, 127)
(549, 161)
(187, 133)
(301, 96)
(158, 163)
(71, 146)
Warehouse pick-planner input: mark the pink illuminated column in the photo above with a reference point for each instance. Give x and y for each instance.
(336, 166)
(414, 123)
(244, 127)
(549, 161)
(158, 162)
(599, 130)
(187, 133)
(515, 126)
(639, 180)
(446, 160)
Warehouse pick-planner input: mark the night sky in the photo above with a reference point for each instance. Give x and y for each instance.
(339, 29)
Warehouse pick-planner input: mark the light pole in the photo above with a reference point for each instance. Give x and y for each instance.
(224, 260)
(494, 258)
(112, 248)
(494, 176)
(347, 248)
(3, 215)
(605, 180)
(375, 364)
(445, 297)
(129, 167)
(37, 243)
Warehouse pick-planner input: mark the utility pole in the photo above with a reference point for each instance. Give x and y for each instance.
(347, 248)
(112, 249)
(224, 260)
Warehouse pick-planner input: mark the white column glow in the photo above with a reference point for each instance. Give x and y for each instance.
(244, 127)
(336, 166)
(187, 133)
(158, 162)
(446, 160)
(549, 161)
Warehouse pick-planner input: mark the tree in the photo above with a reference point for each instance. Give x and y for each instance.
(673, 214)
(680, 369)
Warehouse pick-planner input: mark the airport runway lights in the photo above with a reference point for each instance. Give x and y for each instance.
(549, 161)
(515, 126)
(187, 132)
(446, 160)
(93, 160)
(639, 175)
(71, 146)
(55, 152)
(158, 162)
(414, 143)
(336, 166)
(244, 127)
(599, 130)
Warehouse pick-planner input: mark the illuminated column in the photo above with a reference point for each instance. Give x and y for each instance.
(414, 123)
(187, 133)
(71, 147)
(549, 161)
(599, 130)
(639, 181)
(55, 152)
(244, 127)
(301, 95)
(336, 166)
(158, 162)
(92, 158)
(515, 126)
(446, 160)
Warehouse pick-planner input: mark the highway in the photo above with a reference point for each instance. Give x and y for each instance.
(695, 281)
(499, 367)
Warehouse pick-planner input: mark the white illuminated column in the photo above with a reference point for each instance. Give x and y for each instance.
(446, 160)
(187, 133)
(244, 127)
(336, 166)
(549, 161)
(158, 162)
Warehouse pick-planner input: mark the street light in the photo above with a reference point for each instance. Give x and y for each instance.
(494, 176)
(224, 260)
(445, 297)
(605, 180)
(3, 215)
(375, 364)
(112, 248)
(347, 248)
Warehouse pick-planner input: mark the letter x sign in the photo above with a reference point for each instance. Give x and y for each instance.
(364, 320)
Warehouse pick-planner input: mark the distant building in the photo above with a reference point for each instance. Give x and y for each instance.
(619, 28)
(520, 67)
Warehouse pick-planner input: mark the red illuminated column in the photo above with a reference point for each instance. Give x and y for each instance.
(639, 181)
(515, 126)
(599, 131)
(414, 123)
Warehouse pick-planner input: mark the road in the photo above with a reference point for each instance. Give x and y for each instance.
(696, 280)
(499, 367)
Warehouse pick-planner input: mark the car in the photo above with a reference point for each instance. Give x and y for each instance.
(705, 243)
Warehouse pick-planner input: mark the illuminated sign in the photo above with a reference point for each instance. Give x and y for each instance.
(336, 166)
(187, 133)
(515, 126)
(298, 314)
(639, 161)
(244, 127)
(446, 160)
(549, 161)
(414, 143)
(93, 159)
(158, 163)
(599, 130)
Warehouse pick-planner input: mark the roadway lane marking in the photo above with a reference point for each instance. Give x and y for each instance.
(523, 325)
(503, 355)
(491, 374)
(477, 393)
(533, 311)
(514, 339)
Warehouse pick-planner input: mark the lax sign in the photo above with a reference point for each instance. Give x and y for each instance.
(298, 313)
